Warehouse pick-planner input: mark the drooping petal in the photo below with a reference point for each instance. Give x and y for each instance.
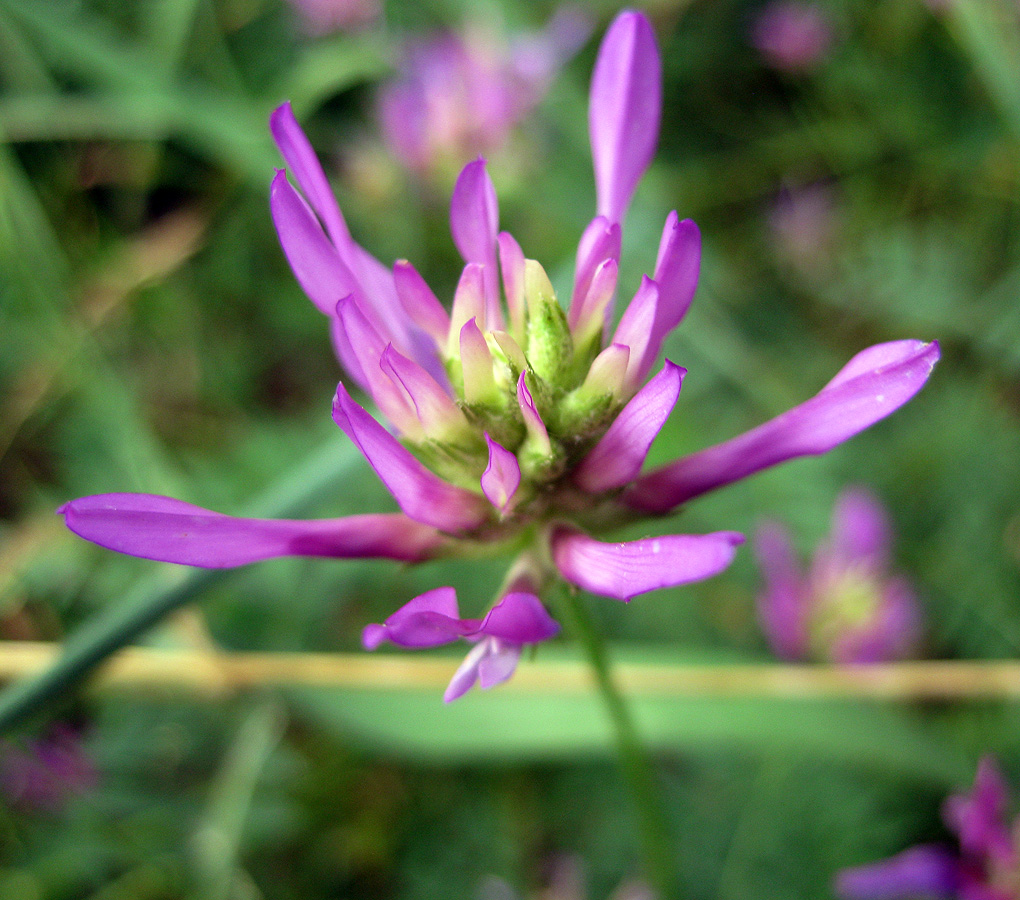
(624, 570)
(421, 494)
(617, 458)
(624, 111)
(676, 273)
(782, 604)
(860, 531)
(474, 222)
(502, 476)
(844, 407)
(498, 664)
(420, 303)
(304, 165)
(160, 528)
(320, 271)
(429, 620)
(923, 871)
(519, 618)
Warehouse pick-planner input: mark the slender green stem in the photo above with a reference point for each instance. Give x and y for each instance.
(653, 824)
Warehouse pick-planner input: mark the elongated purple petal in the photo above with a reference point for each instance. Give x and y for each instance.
(624, 570)
(519, 618)
(676, 274)
(502, 476)
(160, 528)
(860, 531)
(601, 241)
(636, 331)
(320, 271)
(624, 111)
(923, 871)
(421, 494)
(429, 620)
(474, 222)
(844, 407)
(617, 458)
(979, 817)
(511, 264)
(307, 171)
(420, 303)
(782, 605)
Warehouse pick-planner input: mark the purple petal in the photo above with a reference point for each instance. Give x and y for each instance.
(594, 306)
(979, 818)
(474, 222)
(676, 273)
(844, 407)
(421, 494)
(625, 570)
(320, 271)
(782, 605)
(926, 870)
(502, 476)
(617, 458)
(304, 165)
(637, 330)
(168, 530)
(519, 618)
(511, 264)
(429, 620)
(439, 415)
(498, 664)
(467, 672)
(601, 241)
(624, 111)
(537, 432)
(860, 530)
(420, 303)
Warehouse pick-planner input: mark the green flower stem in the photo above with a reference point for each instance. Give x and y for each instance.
(167, 590)
(653, 824)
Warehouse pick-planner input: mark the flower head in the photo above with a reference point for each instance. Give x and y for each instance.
(847, 607)
(514, 424)
(460, 94)
(984, 866)
(791, 35)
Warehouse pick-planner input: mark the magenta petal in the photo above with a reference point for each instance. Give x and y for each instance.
(617, 458)
(601, 241)
(624, 570)
(519, 618)
(304, 165)
(636, 331)
(498, 664)
(624, 111)
(420, 303)
(467, 672)
(923, 871)
(979, 818)
(421, 494)
(511, 264)
(676, 273)
(474, 223)
(320, 271)
(844, 407)
(168, 530)
(782, 605)
(429, 620)
(502, 476)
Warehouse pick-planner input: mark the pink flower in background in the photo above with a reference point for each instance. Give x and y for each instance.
(513, 424)
(461, 95)
(792, 36)
(43, 774)
(847, 607)
(320, 17)
(984, 866)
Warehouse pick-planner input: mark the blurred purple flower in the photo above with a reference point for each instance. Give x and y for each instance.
(984, 866)
(517, 424)
(803, 225)
(792, 36)
(461, 95)
(847, 608)
(320, 17)
(43, 774)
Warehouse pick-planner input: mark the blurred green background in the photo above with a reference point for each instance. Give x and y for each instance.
(152, 338)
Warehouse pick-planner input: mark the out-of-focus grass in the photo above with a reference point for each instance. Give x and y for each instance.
(152, 339)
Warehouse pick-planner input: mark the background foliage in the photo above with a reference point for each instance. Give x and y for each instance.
(153, 339)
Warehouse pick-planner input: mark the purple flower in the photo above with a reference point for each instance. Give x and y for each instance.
(513, 423)
(461, 95)
(984, 866)
(44, 773)
(847, 608)
(432, 619)
(792, 36)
